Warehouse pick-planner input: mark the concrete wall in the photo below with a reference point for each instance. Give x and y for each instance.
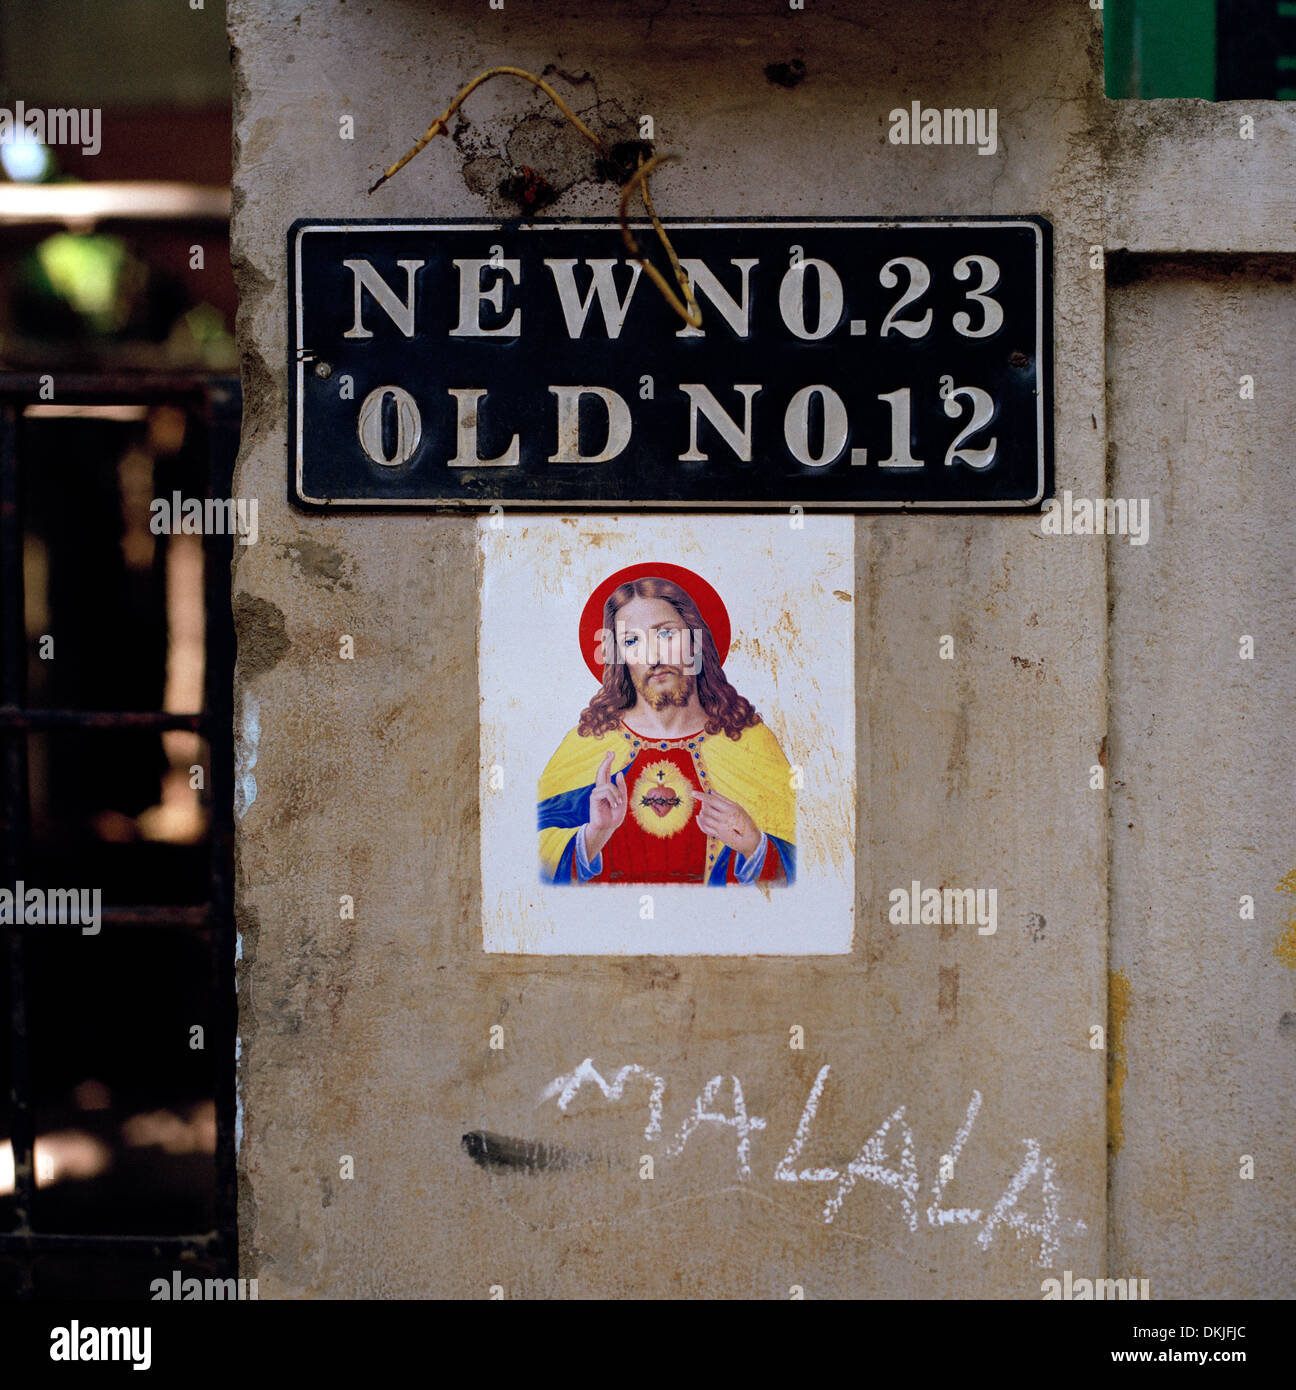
(369, 1038)
(1204, 777)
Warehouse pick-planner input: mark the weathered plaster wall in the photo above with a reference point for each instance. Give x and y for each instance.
(1203, 761)
(1199, 176)
(370, 1038)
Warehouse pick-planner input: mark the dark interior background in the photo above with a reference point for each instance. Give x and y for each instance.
(132, 1122)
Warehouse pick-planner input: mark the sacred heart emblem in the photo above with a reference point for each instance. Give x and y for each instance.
(660, 802)
(662, 799)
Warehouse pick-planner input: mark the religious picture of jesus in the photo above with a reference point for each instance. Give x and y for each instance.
(670, 774)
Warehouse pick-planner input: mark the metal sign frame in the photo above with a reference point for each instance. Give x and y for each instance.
(299, 358)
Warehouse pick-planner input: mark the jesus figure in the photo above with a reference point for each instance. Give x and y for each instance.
(670, 775)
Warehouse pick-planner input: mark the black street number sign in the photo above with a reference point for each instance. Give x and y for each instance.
(840, 364)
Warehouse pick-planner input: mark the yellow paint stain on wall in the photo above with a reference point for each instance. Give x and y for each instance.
(1118, 1002)
(1285, 946)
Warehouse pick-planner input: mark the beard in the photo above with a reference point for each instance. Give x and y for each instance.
(663, 686)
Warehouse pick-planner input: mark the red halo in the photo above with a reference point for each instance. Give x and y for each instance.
(710, 605)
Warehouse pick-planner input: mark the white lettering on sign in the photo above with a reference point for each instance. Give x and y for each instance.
(888, 1158)
(832, 299)
(472, 296)
(828, 290)
(901, 431)
(618, 424)
(919, 284)
(408, 426)
(466, 408)
(796, 426)
(401, 312)
(982, 413)
(602, 287)
(703, 402)
(703, 281)
(993, 320)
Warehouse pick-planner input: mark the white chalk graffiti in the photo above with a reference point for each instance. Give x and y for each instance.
(565, 1088)
(888, 1157)
(745, 1127)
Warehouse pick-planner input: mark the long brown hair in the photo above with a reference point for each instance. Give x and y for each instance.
(727, 712)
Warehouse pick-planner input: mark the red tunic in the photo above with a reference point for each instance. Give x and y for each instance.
(659, 840)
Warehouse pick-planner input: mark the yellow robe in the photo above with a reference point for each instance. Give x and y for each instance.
(750, 770)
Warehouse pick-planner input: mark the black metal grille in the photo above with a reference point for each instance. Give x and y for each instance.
(216, 401)
(1255, 50)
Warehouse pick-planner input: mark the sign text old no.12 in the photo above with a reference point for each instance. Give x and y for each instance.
(852, 364)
